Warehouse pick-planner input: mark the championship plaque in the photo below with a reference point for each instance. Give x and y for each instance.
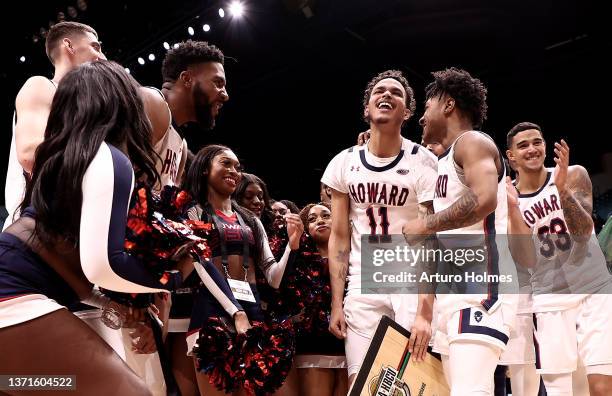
(387, 369)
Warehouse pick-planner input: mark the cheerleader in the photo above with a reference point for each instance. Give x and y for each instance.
(239, 244)
(319, 355)
(51, 256)
(252, 193)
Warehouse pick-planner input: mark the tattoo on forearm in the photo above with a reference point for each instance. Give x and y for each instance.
(425, 209)
(460, 214)
(343, 259)
(576, 216)
(577, 203)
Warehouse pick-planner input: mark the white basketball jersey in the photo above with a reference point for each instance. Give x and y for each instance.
(450, 186)
(14, 189)
(383, 192)
(565, 269)
(172, 149)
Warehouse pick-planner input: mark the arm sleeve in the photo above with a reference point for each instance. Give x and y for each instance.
(107, 189)
(272, 269)
(428, 176)
(211, 278)
(334, 173)
(218, 287)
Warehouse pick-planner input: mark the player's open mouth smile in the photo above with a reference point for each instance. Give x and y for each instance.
(216, 108)
(384, 105)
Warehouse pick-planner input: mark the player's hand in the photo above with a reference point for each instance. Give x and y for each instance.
(562, 161)
(337, 325)
(420, 334)
(511, 193)
(241, 322)
(143, 341)
(415, 231)
(363, 138)
(295, 229)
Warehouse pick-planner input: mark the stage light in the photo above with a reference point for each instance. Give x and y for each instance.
(236, 9)
(141, 61)
(190, 31)
(151, 57)
(221, 12)
(176, 45)
(166, 45)
(22, 59)
(127, 70)
(206, 27)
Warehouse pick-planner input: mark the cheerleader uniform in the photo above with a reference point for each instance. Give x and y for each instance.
(231, 236)
(29, 288)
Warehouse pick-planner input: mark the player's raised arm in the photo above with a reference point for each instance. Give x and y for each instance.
(339, 249)
(576, 193)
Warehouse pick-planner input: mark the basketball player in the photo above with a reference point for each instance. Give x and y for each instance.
(399, 176)
(519, 354)
(194, 89)
(472, 329)
(570, 282)
(68, 45)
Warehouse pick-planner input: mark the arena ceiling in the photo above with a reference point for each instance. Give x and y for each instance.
(298, 67)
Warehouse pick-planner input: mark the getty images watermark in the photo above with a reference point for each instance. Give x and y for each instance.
(476, 263)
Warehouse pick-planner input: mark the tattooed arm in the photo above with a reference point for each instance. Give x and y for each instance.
(339, 249)
(477, 155)
(577, 203)
(576, 192)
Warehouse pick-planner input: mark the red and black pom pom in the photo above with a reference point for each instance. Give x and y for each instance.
(258, 361)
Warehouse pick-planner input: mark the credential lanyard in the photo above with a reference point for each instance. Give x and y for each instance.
(223, 245)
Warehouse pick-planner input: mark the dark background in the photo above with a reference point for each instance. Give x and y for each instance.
(296, 83)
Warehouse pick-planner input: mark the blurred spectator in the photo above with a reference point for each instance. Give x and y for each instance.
(82, 5)
(602, 190)
(72, 13)
(293, 208)
(605, 241)
(61, 17)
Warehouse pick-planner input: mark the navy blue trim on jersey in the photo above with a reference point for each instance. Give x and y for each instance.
(350, 150)
(380, 168)
(536, 345)
(445, 153)
(415, 149)
(124, 265)
(492, 261)
(466, 327)
(533, 194)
